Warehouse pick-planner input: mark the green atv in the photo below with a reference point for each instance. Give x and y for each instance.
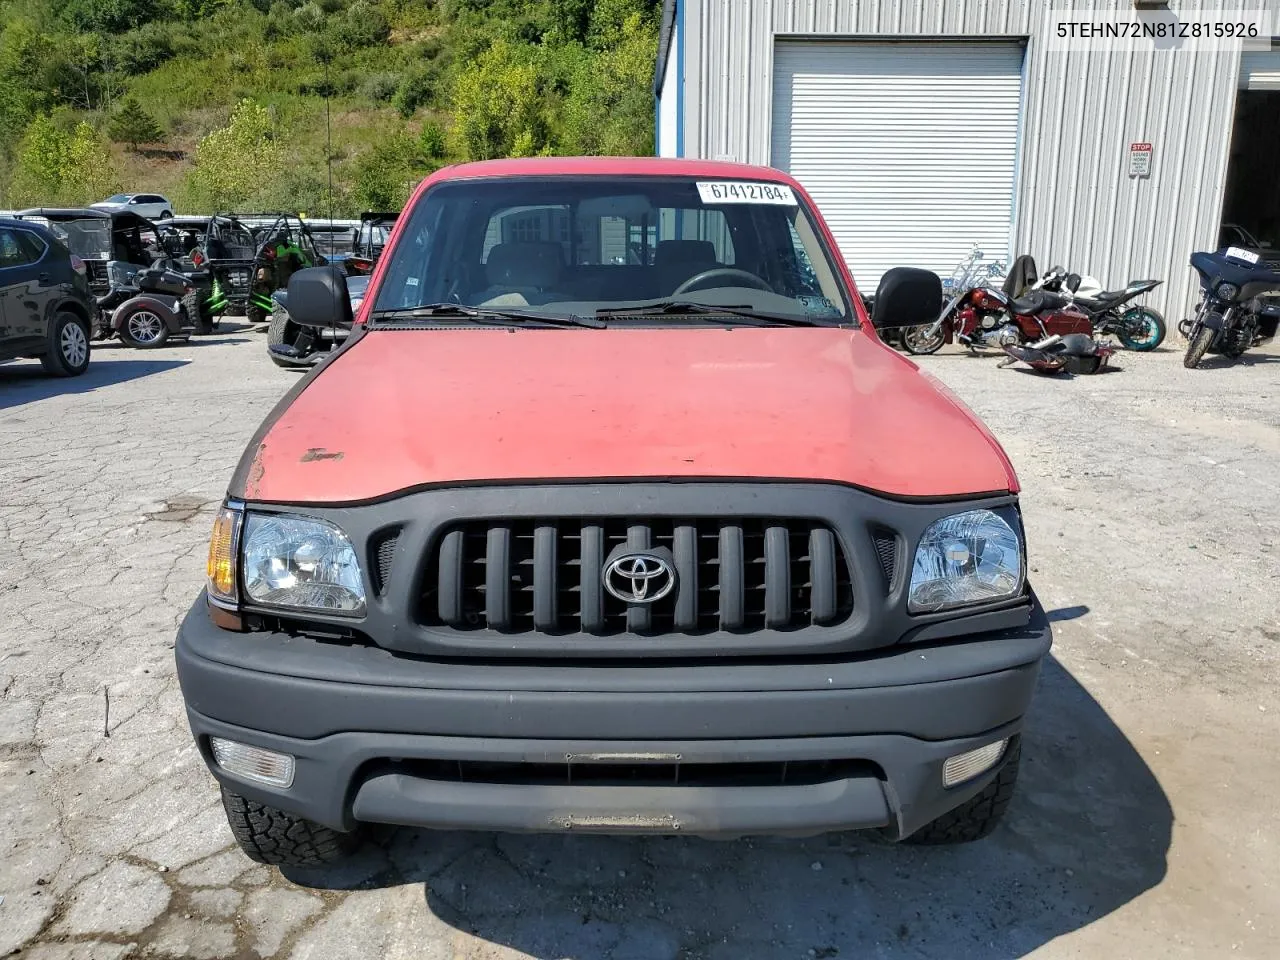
(244, 259)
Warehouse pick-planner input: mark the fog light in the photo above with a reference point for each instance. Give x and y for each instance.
(966, 766)
(254, 763)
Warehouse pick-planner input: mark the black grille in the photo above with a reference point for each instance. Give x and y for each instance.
(383, 549)
(545, 576)
(887, 550)
(635, 774)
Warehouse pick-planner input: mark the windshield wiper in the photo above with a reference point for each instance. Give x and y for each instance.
(741, 311)
(445, 311)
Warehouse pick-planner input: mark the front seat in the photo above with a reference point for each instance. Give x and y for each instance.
(677, 260)
(520, 274)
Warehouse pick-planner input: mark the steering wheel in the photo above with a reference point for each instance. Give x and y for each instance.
(699, 280)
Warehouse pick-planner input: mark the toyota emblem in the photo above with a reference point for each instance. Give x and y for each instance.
(639, 577)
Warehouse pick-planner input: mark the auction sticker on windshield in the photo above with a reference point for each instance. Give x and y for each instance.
(1236, 253)
(738, 191)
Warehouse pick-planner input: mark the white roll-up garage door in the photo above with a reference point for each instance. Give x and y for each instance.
(1260, 69)
(909, 149)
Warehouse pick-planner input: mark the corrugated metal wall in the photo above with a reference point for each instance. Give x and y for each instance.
(1076, 204)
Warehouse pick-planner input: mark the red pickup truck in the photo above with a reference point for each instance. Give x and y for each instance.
(613, 514)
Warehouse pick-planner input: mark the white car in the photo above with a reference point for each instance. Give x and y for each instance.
(151, 206)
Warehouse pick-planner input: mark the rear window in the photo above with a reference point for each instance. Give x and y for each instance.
(561, 245)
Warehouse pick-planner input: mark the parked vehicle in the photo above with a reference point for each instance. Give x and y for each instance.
(984, 319)
(157, 309)
(375, 230)
(283, 248)
(1139, 328)
(148, 206)
(113, 245)
(683, 525)
(1238, 309)
(291, 345)
(1074, 353)
(223, 265)
(46, 306)
(971, 273)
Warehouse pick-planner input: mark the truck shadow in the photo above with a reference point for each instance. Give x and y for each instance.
(26, 382)
(1088, 831)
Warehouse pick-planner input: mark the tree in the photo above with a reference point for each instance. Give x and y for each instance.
(498, 105)
(133, 125)
(238, 162)
(56, 166)
(609, 107)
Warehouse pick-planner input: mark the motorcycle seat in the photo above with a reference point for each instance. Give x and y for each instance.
(1037, 302)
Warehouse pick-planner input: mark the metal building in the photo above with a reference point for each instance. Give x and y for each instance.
(924, 127)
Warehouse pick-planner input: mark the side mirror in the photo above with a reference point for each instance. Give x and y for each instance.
(907, 297)
(318, 298)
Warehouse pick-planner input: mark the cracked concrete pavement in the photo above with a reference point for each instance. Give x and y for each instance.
(1145, 823)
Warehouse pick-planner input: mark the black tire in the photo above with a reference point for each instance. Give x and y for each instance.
(197, 307)
(142, 327)
(912, 340)
(1196, 348)
(166, 215)
(255, 315)
(68, 351)
(280, 839)
(981, 813)
(1153, 325)
(282, 331)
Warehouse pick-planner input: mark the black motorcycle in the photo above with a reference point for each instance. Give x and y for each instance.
(1138, 328)
(1236, 312)
(153, 308)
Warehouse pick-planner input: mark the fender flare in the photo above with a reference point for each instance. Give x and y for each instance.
(170, 308)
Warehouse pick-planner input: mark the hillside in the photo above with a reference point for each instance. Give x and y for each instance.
(222, 103)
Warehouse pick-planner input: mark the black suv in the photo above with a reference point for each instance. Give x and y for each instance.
(46, 308)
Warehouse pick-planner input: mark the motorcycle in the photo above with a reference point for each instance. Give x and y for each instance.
(1073, 353)
(984, 318)
(1138, 328)
(1236, 312)
(156, 310)
(971, 274)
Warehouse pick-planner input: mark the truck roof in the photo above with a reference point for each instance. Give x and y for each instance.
(609, 166)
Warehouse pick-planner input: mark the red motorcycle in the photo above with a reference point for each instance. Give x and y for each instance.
(986, 319)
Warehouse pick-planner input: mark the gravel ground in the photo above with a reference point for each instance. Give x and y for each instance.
(1145, 826)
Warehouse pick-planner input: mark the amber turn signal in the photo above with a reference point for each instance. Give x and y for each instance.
(222, 555)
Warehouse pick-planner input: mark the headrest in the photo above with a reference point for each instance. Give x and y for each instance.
(669, 252)
(524, 264)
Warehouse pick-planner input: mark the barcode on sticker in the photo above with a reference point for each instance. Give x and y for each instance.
(743, 191)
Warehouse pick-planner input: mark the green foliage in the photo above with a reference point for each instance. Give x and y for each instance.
(384, 175)
(473, 78)
(133, 125)
(432, 141)
(236, 164)
(497, 105)
(55, 166)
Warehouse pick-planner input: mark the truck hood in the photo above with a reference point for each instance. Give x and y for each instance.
(407, 408)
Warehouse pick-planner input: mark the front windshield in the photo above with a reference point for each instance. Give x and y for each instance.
(117, 198)
(576, 246)
(87, 239)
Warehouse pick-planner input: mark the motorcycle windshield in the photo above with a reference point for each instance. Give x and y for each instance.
(1216, 268)
(87, 239)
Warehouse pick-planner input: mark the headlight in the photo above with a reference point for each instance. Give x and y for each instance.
(301, 563)
(964, 559)
(1227, 291)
